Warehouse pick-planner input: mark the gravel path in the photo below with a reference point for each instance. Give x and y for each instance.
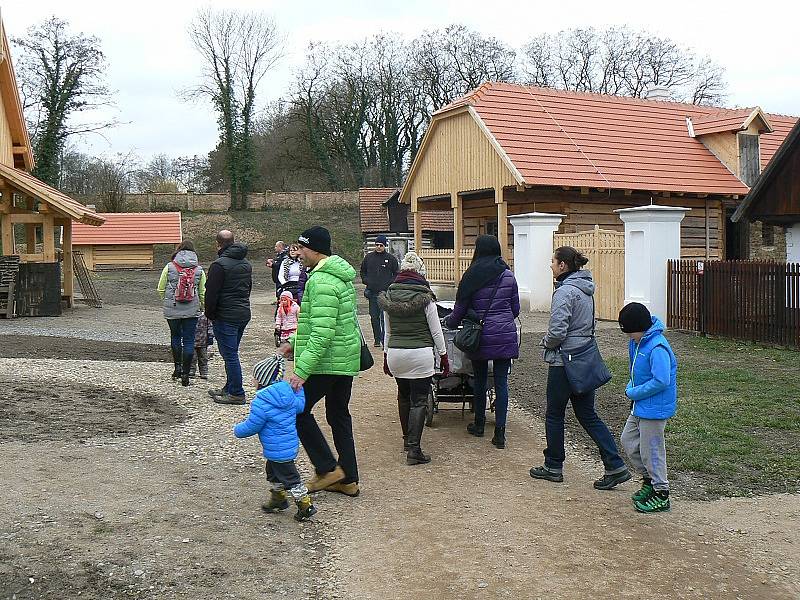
(174, 512)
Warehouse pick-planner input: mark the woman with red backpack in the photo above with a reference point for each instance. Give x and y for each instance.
(182, 288)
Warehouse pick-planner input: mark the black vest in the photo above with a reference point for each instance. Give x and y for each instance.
(233, 301)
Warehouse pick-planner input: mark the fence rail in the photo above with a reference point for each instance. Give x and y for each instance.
(748, 300)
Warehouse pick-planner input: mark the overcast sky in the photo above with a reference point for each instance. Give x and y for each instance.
(150, 57)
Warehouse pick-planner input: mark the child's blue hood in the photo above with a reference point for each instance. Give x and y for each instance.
(282, 394)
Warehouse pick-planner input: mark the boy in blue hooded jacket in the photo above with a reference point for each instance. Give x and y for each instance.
(653, 392)
(273, 416)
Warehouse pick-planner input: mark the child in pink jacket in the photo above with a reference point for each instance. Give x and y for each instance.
(286, 318)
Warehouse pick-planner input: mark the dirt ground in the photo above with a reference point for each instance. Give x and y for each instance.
(121, 484)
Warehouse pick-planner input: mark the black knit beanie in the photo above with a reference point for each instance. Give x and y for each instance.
(317, 239)
(634, 318)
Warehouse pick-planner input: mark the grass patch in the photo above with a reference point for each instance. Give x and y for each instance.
(737, 428)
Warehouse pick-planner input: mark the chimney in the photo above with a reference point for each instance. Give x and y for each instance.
(658, 92)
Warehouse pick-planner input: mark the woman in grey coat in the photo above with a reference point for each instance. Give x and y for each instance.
(571, 327)
(183, 304)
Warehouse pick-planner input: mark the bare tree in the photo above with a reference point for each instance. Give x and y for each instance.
(238, 50)
(620, 61)
(60, 75)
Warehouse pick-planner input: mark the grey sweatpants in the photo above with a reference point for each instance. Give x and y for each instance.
(643, 440)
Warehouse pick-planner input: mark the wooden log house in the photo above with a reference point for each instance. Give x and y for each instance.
(507, 149)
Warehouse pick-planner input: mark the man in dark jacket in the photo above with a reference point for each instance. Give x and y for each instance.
(281, 252)
(228, 287)
(378, 270)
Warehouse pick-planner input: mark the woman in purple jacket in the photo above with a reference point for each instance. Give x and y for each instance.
(489, 290)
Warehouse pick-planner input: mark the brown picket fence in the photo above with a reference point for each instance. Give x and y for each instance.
(757, 301)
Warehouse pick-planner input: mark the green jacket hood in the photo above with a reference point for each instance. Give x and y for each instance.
(339, 268)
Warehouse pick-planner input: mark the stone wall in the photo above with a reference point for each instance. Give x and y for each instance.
(150, 202)
(761, 251)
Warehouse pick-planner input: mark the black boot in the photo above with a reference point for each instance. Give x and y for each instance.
(186, 366)
(176, 360)
(416, 424)
(499, 438)
(403, 406)
(476, 428)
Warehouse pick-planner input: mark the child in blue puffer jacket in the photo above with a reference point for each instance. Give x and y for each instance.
(653, 392)
(273, 416)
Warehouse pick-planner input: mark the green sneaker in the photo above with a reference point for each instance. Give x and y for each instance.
(643, 492)
(278, 500)
(655, 502)
(305, 509)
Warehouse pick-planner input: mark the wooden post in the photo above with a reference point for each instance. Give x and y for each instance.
(49, 238)
(30, 228)
(69, 283)
(502, 220)
(417, 226)
(6, 227)
(458, 234)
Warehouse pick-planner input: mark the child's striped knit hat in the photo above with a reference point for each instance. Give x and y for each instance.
(269, 370)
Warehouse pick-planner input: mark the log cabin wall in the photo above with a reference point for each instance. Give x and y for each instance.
(702, 230)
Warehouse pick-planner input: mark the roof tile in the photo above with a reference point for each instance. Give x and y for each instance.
(130, 228)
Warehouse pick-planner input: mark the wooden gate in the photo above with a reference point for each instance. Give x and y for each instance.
(605, 250)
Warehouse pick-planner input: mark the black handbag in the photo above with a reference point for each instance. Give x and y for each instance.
(585, 369)
(468, 337)
(365, 360)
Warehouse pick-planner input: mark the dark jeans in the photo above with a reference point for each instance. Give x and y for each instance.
(501, 367)
(284, 473)
(375, 316)
(558, 394)
(182, 334)
(229, 335)
(336, 389)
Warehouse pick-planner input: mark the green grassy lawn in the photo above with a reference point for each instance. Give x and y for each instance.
(737, 429)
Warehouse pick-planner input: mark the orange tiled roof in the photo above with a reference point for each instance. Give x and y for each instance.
(131, 228)
(770, 142)
(374, 217)
(555, 137)
(372, 213)
(726, 120)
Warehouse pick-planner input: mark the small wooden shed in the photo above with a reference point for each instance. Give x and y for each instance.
(30, 205)
(126, 240)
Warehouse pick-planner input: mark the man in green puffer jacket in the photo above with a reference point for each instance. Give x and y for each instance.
(327, 352)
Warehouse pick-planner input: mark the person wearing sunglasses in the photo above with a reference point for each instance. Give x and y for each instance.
(378, 270)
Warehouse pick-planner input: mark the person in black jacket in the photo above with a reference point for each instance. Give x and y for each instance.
(378, 270)
(281, 252)
(228, 286)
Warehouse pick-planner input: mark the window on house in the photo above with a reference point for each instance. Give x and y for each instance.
(767, 235)
(491, 228)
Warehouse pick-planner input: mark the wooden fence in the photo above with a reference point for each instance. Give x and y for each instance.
(605, 250)
(748, 300)
(440, 264)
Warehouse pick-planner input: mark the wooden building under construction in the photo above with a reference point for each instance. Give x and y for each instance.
(508, 149)
(33, 215)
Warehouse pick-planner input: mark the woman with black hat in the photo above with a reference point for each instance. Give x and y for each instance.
(571, 327)
(489, 289)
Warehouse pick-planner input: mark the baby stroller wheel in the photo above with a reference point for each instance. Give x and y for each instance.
(431, 406)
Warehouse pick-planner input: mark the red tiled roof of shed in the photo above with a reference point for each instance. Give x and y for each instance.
(555, 137)
(130, 229)
(374, 217)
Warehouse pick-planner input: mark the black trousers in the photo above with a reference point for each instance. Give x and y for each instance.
(285, 473)
(336, 390)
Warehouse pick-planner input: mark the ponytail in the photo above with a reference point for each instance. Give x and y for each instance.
(571, 257)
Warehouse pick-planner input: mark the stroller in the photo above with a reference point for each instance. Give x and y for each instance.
(457, 387)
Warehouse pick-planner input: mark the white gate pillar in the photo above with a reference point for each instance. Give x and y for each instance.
(793, 243)
(652, 237)
(533, 250)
